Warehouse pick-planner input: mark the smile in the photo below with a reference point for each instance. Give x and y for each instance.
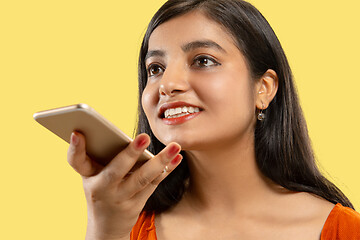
(180, 111)
(174, 113)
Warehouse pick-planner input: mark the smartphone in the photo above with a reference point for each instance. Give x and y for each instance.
(103, 139)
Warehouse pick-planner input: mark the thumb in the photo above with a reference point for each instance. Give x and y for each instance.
(78, 159)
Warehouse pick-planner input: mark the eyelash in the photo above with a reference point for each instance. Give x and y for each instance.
(195, 61)
(204, 57)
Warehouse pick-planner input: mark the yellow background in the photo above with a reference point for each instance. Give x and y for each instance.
(56, 53)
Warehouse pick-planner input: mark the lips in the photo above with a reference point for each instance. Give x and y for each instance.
(173, 105)
(180, 119)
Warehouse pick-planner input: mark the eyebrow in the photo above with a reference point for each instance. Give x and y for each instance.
(187, 48)
(201, 44)
(154, 53)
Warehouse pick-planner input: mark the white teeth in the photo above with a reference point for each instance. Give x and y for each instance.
(180, 111)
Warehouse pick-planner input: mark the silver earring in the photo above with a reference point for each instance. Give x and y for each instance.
(261, 115)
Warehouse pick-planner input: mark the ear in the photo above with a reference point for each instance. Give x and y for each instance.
(266, 89)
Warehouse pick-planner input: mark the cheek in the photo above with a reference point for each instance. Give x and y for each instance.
(147, 101)
(229, 102)
(225, 90)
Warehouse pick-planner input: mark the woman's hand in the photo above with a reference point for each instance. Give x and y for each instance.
(115, 197)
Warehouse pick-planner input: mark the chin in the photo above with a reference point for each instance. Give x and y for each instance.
(186, 143)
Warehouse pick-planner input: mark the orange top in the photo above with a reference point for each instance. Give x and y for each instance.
(343, 223)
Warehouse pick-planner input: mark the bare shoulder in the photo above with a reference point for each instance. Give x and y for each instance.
(316, 205)
(307, 207)
(296, 215)
(307, 213)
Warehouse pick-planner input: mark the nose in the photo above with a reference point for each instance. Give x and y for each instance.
(174, 81)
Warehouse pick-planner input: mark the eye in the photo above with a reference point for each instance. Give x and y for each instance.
(154, 69)
(205, 61)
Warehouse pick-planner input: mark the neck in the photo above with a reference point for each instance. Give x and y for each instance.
(226, 178)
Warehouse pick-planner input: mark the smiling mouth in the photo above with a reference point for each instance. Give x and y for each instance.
(179, 112)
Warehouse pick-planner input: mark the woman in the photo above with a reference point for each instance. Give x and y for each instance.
(214, 82)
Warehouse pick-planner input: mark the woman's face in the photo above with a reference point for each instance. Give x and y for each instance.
(194, 68)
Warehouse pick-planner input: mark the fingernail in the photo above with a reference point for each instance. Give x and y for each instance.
(74, 139)
(176, 160)
(173, 150)
(140, 141)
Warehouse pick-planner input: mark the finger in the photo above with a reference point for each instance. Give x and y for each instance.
(78, 159)
(167, 170)
(152, 170)
(120, 166)
(144, 195)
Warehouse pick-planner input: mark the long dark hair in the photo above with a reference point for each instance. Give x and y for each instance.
(282, 145)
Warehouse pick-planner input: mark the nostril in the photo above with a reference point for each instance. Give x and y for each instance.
(173, 92)
(162, 90)
(176, 91)
(171, 87)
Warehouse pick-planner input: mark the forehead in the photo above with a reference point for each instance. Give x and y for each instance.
(190, 27)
